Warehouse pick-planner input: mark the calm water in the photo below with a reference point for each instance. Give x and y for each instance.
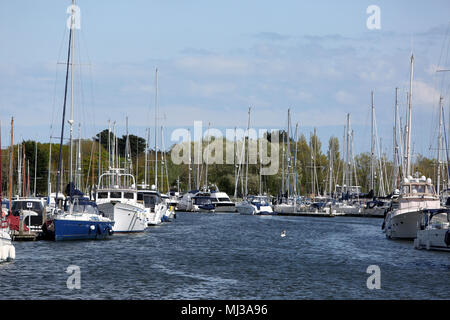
(225, 256)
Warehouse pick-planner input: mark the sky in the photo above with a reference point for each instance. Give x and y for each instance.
(215, 59)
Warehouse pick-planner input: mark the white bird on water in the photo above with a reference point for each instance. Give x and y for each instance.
(283, 233)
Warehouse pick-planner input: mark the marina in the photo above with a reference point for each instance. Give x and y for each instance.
(225, 256)
(312, 179)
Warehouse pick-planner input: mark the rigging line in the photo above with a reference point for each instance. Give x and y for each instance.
(89, 64)
(56, 81)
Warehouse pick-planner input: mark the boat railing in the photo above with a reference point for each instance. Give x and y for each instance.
(117, 179)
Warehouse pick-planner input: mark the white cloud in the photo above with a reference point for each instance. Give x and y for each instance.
(343, 97)
(424, 95)
(210, 89)
(213, 65)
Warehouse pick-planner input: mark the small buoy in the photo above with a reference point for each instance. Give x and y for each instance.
(283, 233)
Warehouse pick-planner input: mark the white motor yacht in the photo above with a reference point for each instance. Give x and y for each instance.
(405, 214)
(222, 202)
(155, 206)
(116, 197)
(254, 205)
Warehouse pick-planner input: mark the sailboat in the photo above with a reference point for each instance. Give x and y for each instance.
(154, 206)
(78, 217)
(250, 205)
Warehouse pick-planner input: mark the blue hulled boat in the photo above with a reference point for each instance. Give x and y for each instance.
(79, 219)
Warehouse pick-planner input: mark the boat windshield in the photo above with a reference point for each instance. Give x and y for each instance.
(202, 200)
(35, 206)
(260, 202)
(150, 200)
(85, 207)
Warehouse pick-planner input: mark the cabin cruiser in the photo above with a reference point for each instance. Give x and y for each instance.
(173, 199)
(33, 210)
(196, 201)
(434, 234)
(290, 205)
(116, 197)
(222, 202)
(155, 206)
(255, 205)
(405, 213)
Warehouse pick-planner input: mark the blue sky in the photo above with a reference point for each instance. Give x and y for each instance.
(217, 58)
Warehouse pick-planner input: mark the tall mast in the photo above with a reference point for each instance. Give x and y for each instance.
(162, 159)
(49, 187)
(19, 170)
(395, 144)
(99, 155)
(348, 165)
(331, 155)
(78, 171)
(439, 147)
(288, 156)
(11, 158)
(189, 165)
(35, 167)
(248, 153)
(146, 158)
(71, 121)
(297, 191)
(23, 171)
(58, 180)
(372, 148)
(207, 160)
(408, 137)
(156, 128)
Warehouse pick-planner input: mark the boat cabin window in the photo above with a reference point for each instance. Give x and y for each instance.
(27, 205)
(128, 195)
(224, 199)
(202, 200)
(150, 200)
(102, 195)
(405, 189)
(115, 195)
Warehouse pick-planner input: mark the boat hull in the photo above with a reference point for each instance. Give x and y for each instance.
(67, 229)
(7, 250)
(403, 225)
(127, 218)
(245, 208)
(433, 239)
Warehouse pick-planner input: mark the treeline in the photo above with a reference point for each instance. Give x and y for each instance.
(311, 175)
